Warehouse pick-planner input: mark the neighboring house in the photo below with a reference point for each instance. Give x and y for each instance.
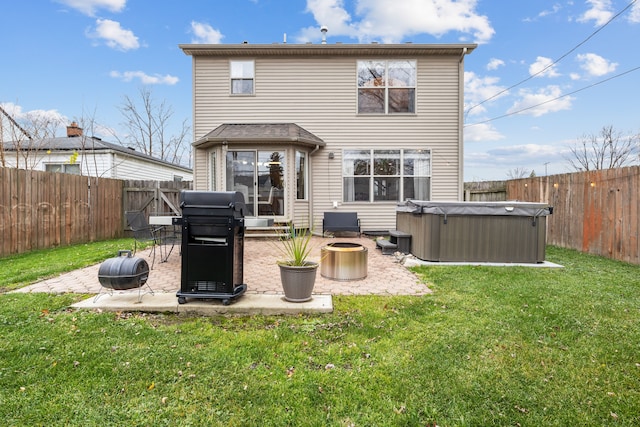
(305, 129)
(90, 156)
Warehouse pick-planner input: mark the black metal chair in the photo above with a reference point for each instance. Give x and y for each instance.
(143, 232)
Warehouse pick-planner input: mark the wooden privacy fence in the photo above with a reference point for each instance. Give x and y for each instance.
(154, 197)
(594, 212)
(40, 210)
(485, 191)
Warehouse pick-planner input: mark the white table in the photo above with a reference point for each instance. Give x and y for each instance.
(162, 219)
(165, 221)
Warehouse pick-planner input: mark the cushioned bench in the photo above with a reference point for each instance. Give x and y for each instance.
(341, 221)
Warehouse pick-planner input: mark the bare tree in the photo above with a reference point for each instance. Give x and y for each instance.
(147, 123)
(88, 125)
(26, 135)
(517, 173)
(606, 150)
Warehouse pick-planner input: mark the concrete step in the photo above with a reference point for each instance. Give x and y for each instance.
(387, 247)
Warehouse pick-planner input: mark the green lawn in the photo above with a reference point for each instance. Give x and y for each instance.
(22, 269)
(491, 346)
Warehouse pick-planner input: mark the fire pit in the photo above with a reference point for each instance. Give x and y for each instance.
(343, 261)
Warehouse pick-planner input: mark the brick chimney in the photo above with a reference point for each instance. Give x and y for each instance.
(73, 130)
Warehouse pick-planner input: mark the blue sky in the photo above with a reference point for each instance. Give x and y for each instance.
(79, 58)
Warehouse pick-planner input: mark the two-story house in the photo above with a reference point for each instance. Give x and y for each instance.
(301, 129)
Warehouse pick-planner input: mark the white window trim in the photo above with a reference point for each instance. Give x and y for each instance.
(371, 176)
(232, 78)
(386, 90)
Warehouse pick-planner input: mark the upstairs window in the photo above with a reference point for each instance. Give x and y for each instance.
(242, 77)
(386, 87)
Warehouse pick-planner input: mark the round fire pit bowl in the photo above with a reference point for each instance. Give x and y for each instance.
(343, 261)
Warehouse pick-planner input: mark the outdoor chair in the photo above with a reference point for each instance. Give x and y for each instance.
(143, 232)
(341, 221)
(265, 207)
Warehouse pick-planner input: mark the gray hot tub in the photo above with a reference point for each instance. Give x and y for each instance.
(475, 231)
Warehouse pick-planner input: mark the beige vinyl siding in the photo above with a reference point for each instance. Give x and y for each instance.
(201, 169)
(320, 95)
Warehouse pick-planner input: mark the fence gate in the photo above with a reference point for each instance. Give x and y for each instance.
(154, 197)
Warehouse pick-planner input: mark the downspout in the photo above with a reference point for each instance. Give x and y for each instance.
(461, 123)
(310, 205)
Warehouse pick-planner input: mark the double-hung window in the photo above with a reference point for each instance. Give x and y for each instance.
(386, 175)
(242, 77)
(386, 87)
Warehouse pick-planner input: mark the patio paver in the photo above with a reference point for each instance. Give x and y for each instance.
(261, 274)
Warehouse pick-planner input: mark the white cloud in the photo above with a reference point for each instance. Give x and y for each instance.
(205, 33)
(526, 151)
(12, 109)
(496, 162)
(114, 35)
(547, 12)
(478, 89)
(39, 118)
(494, 64)
(89, 7)
(634, 15)
(17, 113)
(541, 64)
(394, 22)
(596, 65)
(554, 9)
(482, 132)
(544, 101)
(144, 78)
(600, 12)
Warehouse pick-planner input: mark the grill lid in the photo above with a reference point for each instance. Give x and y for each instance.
(213, 202)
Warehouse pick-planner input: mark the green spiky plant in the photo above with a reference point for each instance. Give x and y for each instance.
(296, 246)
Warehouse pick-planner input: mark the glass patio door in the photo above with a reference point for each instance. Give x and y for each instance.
(259, 176)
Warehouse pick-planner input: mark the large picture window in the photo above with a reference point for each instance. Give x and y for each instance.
(242, 77)
(386, 175)
(386, 87)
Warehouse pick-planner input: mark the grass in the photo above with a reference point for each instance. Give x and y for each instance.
(491, 346)
(22, 269)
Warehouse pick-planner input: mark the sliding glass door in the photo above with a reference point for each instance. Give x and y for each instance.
(260, 177)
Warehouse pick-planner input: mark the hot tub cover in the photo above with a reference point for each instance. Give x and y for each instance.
(513, 208)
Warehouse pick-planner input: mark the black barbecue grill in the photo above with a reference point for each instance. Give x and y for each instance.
(212, 245)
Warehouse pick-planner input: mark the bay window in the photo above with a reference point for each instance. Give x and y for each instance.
(301, 175)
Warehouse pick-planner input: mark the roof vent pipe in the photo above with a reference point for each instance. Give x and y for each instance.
(324, 30)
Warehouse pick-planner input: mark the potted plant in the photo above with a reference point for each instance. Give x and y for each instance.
(297, 273)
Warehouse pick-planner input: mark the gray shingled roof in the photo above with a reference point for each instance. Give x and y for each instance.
(85, 143)
(260, 133)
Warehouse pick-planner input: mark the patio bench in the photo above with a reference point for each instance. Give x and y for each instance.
(341, 221)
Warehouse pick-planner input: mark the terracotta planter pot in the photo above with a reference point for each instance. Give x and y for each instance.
(298, 281)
